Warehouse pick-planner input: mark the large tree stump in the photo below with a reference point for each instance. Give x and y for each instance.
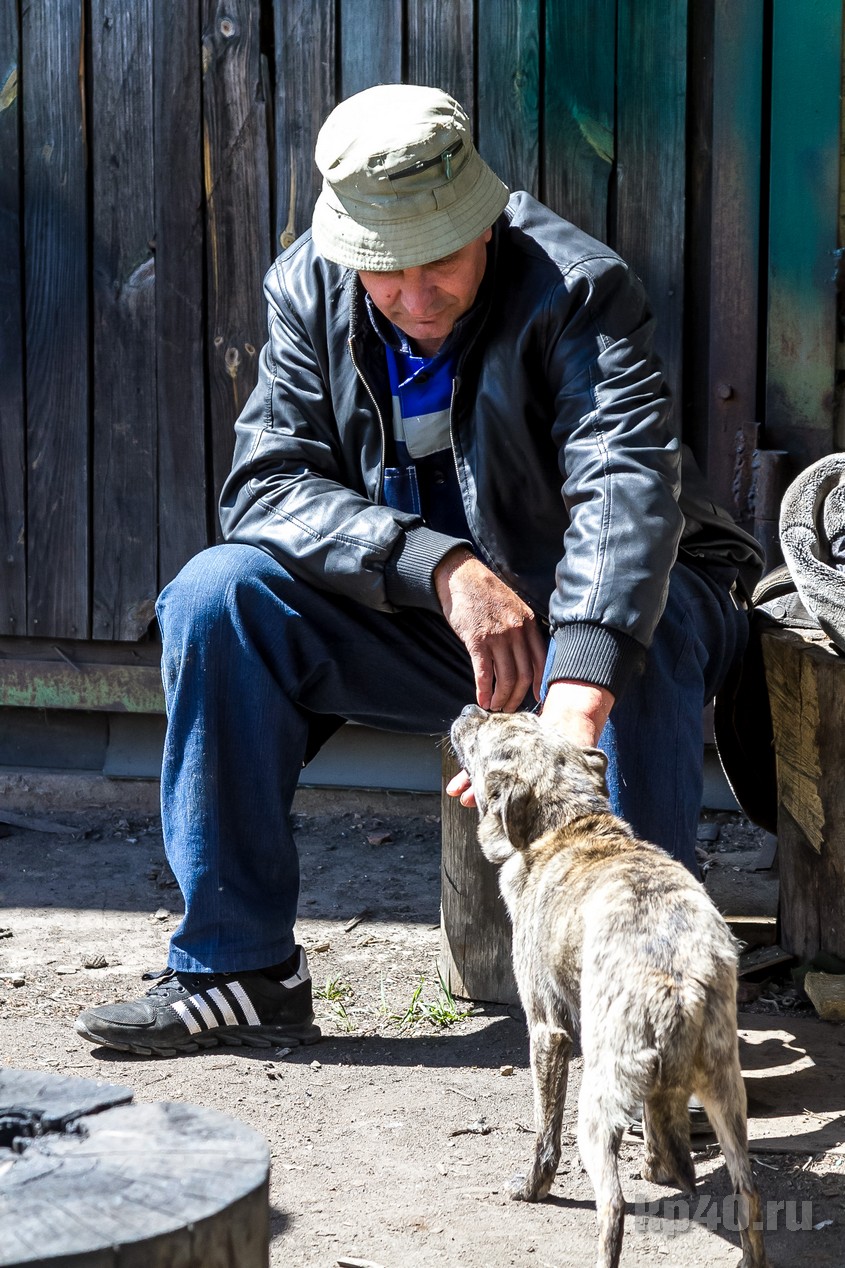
(89, 1181)
(475, 932)
(806, 682)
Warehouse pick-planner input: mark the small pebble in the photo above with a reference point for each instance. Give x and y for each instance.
(161, 914)
(506, 1071)
(316, 1065)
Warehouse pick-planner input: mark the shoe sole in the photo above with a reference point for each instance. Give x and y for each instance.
(222, 1037)
(699, 1125)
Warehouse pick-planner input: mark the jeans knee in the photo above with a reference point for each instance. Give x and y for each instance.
(209, 590)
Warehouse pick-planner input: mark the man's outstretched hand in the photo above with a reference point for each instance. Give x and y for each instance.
(508, 656)
(499, 631)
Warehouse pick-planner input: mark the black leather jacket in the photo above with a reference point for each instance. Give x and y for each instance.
(568, 464)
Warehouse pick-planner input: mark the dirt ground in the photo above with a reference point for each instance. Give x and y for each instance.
(391, 1139)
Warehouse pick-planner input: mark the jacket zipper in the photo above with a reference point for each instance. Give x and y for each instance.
(371, 394)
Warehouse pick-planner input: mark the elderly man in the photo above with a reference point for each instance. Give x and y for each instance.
(456, 478)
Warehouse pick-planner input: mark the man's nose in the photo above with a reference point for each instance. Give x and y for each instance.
(417, 291)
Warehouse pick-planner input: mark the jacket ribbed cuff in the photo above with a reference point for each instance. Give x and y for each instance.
(584, 652)
(409, 572)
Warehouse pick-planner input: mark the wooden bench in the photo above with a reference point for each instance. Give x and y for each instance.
(806, 683)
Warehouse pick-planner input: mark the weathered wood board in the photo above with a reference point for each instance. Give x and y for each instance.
(447, 63)
(475, 931)
(806, 682)
(12, 415)
(183, 511)
(365, 61)
(55, 216)
(651, 167)
(579, 108)
(306, 49)
(804, 205)
(725, 98)
(508, 131)
(237, 193)
(125, 461)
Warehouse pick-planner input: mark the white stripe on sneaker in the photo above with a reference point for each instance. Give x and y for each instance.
(223, 1004)
(186, 1016)
(211, 1022)
(301, 975)
(243, 999)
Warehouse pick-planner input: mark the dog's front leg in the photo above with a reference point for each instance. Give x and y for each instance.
(550, 1053)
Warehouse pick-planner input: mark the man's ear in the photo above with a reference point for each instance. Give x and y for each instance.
(596, 762)
(512, 800)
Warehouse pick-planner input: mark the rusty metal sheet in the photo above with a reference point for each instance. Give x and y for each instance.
(59, 684)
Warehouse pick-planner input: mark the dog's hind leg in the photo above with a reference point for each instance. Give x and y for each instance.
(550, 1052)
(599, 1134)
(722, 1094)
(666, 1133)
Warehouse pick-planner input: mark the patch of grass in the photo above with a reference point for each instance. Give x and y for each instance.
(334, 993)
(442, 1011)
(334, 990)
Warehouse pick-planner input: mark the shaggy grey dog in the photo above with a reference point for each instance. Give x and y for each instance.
(613, 937)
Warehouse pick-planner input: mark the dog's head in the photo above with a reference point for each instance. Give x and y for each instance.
(527, 779)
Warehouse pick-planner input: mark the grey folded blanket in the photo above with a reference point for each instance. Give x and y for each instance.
(812, 536)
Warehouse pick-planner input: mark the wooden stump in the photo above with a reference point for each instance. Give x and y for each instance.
(475, 932)
(806, 682)
(87, 1179)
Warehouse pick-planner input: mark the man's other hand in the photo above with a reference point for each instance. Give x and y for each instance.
(499, 631)
(578, 710)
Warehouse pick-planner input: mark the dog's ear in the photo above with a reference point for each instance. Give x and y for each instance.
(596, 762)
(512, 800)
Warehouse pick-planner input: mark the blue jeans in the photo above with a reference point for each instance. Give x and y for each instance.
(256, 663)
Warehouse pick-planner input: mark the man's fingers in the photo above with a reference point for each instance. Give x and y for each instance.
(482, 667)
(519, 663)
(539, 656)
(513, 678)
(459, 786)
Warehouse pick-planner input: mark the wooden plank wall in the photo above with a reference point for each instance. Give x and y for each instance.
(12, 418)
(153, 162)
(57, 334)
(803, 211)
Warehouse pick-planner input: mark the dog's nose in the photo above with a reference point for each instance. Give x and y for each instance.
(473, 711)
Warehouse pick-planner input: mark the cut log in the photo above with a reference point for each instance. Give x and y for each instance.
(827, 991)
(475, 932)
(806, 683)
(114, 1185)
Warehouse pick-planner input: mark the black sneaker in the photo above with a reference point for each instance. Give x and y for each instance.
(187, 1011)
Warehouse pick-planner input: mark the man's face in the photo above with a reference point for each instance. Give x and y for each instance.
(426, 301)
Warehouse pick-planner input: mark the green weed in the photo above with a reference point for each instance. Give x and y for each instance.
(442, 1011)
(334, 993)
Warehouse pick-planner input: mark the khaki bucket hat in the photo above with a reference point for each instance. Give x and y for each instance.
(403, 183)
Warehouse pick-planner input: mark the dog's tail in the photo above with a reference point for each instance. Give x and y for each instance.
(677, 1017)
(657, 1036)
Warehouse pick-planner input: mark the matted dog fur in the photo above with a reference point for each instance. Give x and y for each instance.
(612, 938)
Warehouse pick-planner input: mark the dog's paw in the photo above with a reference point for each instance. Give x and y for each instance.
(519, 1189)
